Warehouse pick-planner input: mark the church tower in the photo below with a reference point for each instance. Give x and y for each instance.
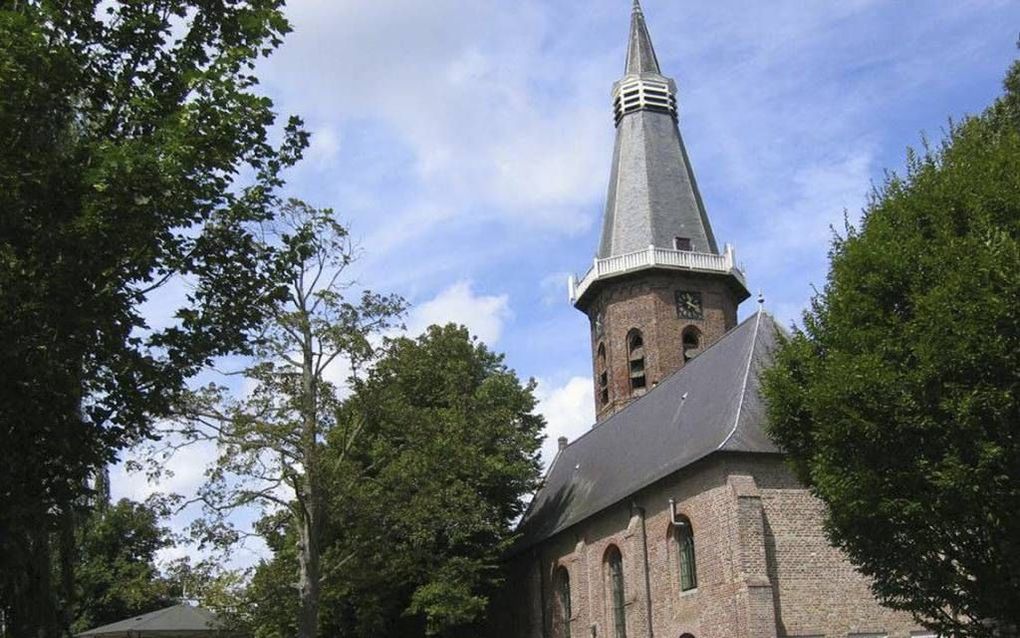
(659, 290)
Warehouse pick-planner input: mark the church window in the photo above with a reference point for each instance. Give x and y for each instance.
(636, 359)
(691, 340)
(617, 600)
(684, 535)
(562, 615)
(682, 243)
(603, 374)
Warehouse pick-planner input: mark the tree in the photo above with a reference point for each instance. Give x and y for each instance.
(115, 571)
(897, 402)
(126, 128)
(271, 442)
(422, 508)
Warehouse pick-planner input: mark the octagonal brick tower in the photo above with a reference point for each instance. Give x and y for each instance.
(659, 290)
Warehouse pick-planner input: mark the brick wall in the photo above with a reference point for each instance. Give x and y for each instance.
(646, 301)
(764, 567)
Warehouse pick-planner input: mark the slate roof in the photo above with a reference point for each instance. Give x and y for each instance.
(711, 404)
(653, 196)
(176, 621)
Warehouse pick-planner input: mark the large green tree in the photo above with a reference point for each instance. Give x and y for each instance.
(898, 400)
(115, 571)
(422, 506)
(126, 126)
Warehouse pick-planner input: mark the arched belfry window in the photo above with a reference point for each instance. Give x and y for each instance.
(636, 360)
(683, 533)
(691, 340)
(616, 594)
(603, 374)
(561, 618)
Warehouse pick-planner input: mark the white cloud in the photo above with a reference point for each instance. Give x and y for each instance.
(484, 315)
(802, 224)
(185, 472)
(491, 114)
(554, 288)
(323, 147)
(568, 409)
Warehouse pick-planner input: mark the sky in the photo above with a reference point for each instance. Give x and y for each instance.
(467, 146)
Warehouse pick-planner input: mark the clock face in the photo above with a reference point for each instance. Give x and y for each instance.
(688, 305)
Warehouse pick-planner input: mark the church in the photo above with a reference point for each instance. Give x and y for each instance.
(675, 515)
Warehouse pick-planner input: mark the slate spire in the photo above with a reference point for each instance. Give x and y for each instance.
(653, 197)
(640, 54)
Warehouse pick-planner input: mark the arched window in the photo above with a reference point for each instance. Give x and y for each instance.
(636, 359)
(684, 535)
(691, 340)
(603, 374)
(614, 584)
(561, 618)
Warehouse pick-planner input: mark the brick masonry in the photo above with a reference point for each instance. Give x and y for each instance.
(646, 301)
(764, 566)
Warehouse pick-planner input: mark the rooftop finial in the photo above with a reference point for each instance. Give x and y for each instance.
(761, 298)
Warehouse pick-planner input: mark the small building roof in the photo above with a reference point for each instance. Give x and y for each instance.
(712, 404)
(178, 621)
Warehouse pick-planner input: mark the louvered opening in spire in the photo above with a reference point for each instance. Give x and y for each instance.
(654, 216)
(640, 54)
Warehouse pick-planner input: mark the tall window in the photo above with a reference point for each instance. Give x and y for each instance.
(684, 535)
(691, 342)
(614, 576)
(636, 359)
(603, 373)
(562, 616)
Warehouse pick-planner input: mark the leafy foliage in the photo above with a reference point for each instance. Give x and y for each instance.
(421, 508)
(126, 126)
(116, 573)
(898, 401)
(271, 442)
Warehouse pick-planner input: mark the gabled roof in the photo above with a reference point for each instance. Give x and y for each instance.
(179, 620)
(711, 404)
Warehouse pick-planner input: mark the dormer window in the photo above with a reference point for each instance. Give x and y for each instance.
(682, 243)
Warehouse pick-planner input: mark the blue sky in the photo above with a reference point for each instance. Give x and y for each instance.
(467, 144)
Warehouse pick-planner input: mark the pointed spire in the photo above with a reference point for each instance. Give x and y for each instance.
(640, 54)
(653, 197)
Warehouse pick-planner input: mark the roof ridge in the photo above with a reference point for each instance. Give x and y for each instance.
(747, 374)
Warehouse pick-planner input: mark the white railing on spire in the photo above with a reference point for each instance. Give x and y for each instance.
(653, 257)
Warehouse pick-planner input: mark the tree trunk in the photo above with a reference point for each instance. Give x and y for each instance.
(66, 547)
(310, 521)
(310, 576)
(33, 613)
